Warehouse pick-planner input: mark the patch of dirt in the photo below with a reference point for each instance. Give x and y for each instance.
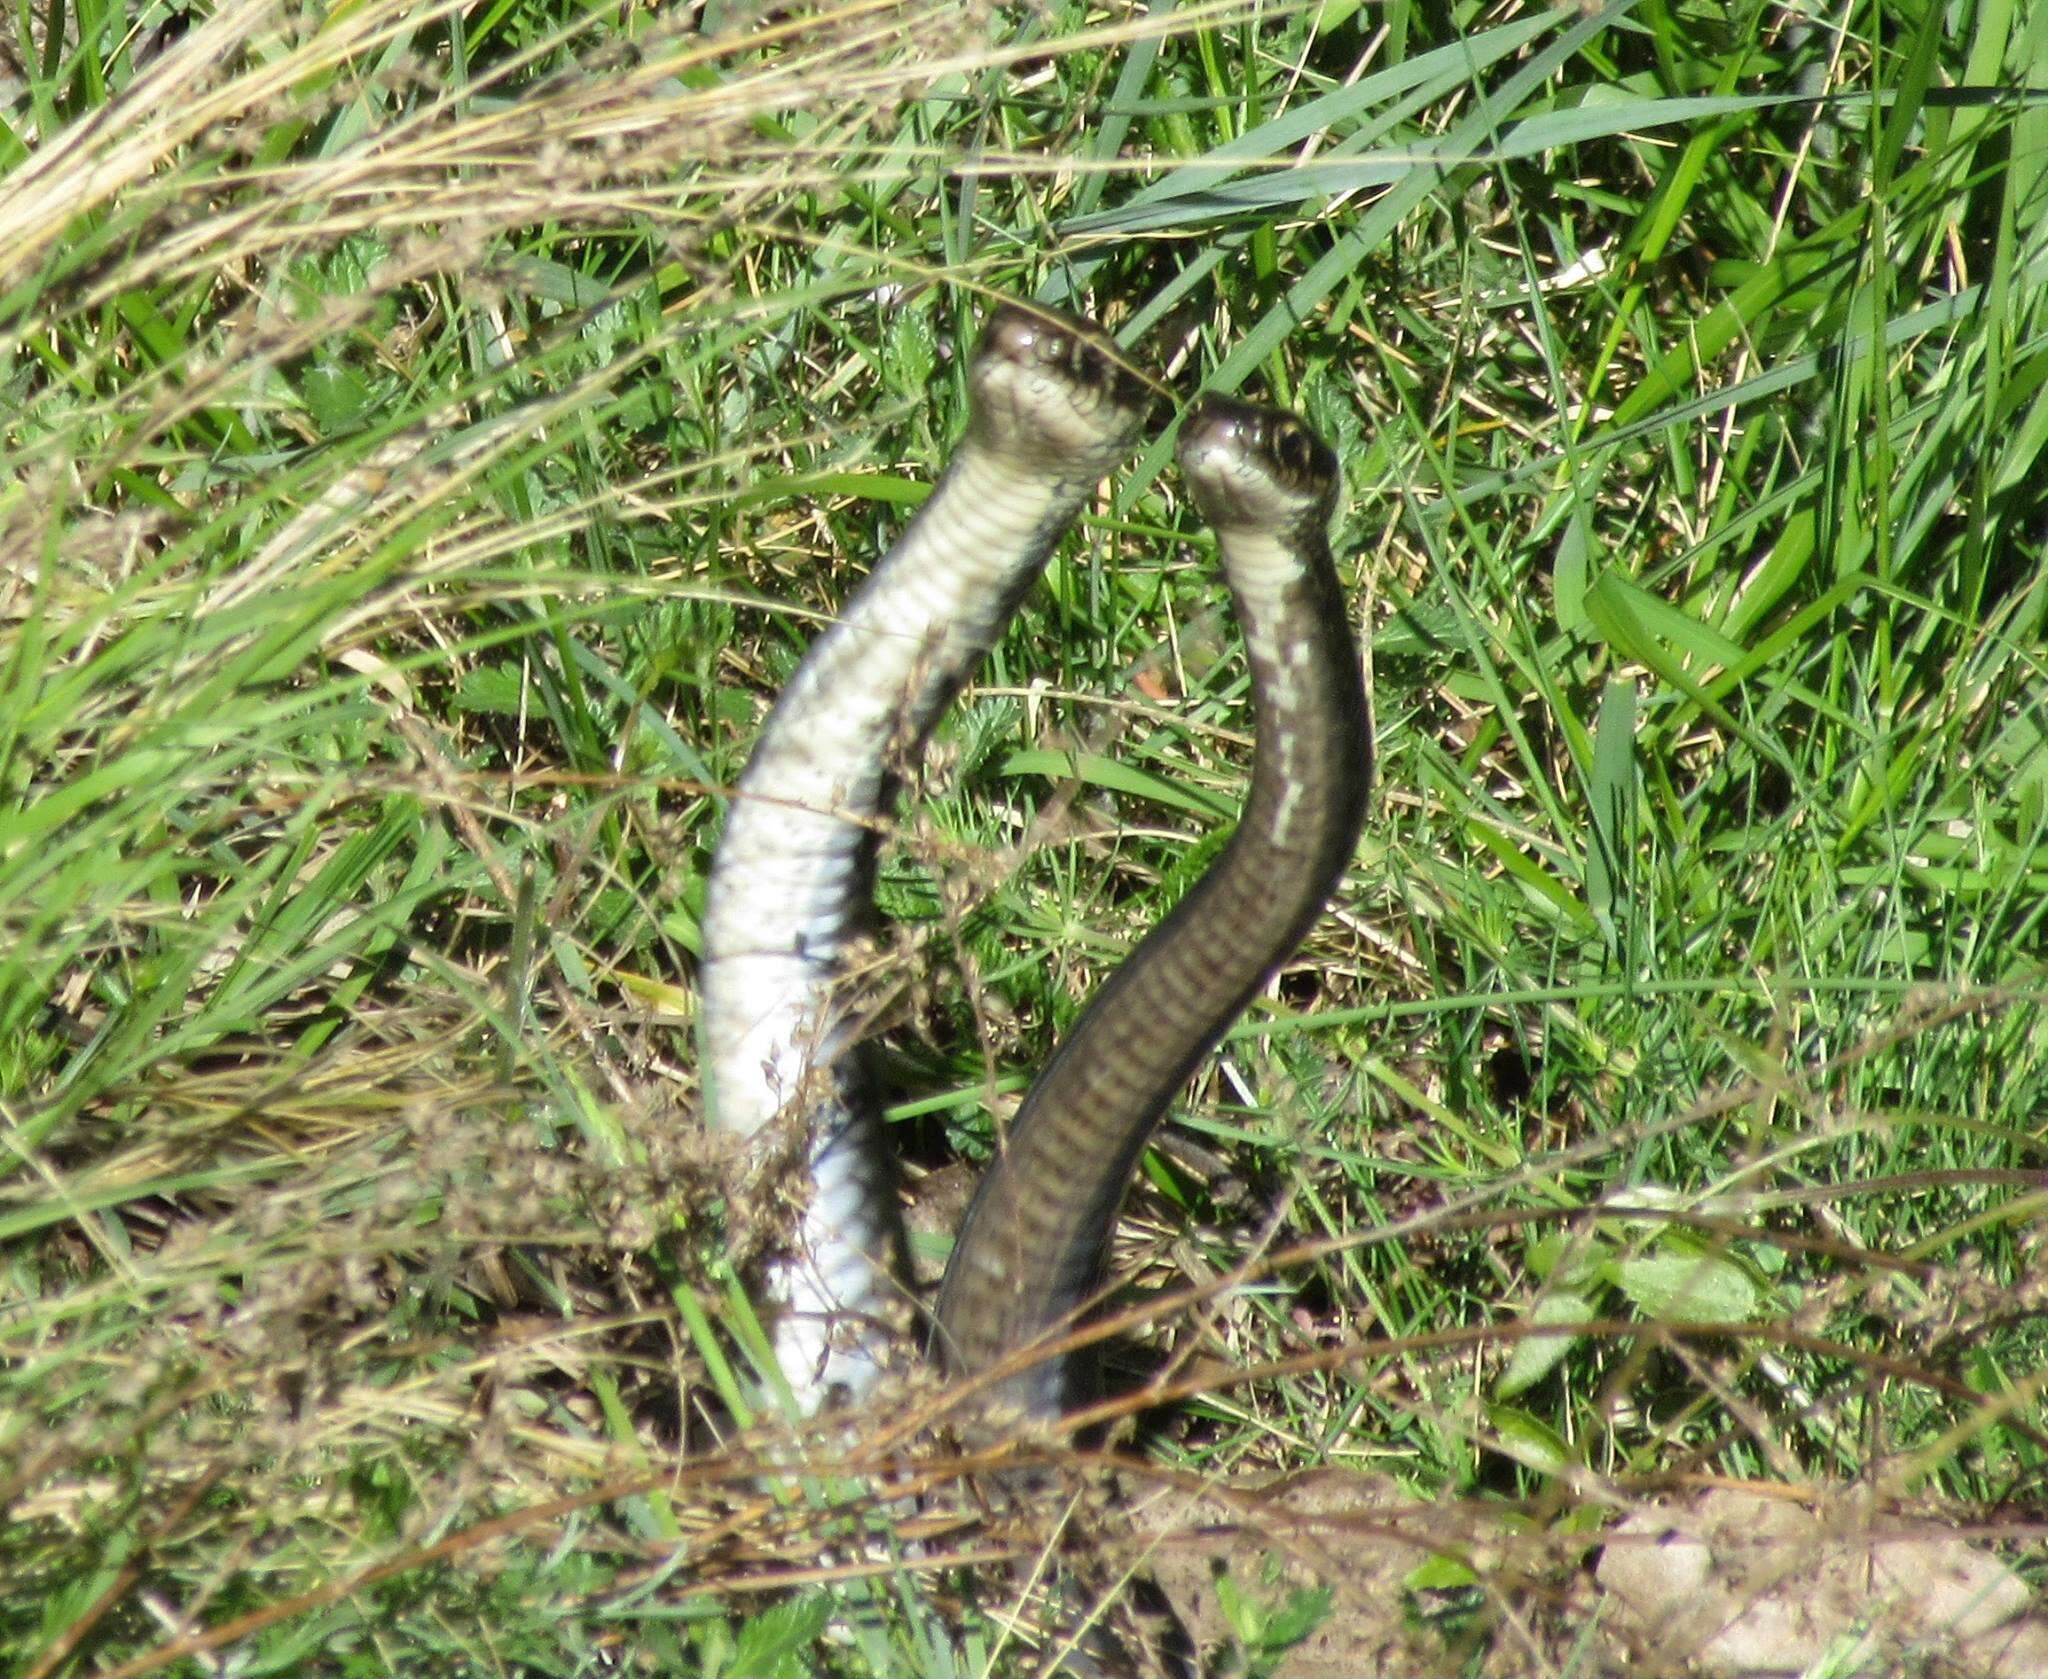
(1733, 1582)
(1758, 1584)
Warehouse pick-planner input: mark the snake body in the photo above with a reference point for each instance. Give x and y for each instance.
(1050, 412)
(1031, 1249)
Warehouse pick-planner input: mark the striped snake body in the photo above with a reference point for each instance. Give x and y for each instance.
(1030, 1252)
(1051, 411)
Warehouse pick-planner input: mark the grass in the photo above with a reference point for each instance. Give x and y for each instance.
(431, 436)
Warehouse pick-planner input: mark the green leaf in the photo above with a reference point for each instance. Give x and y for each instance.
(1611, 800)
(910, 352)
(496, 690)
(1113, 776)
(891, 489)
(1535, 1445)
(1689, 1285)
(1567, 1258)
(1440, 1573)
(1535, 1356)
(1569, 571)
(1306, 1608)
(336, 395)
(772, 1640)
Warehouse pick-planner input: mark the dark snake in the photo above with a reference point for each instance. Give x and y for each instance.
(1030, 1253)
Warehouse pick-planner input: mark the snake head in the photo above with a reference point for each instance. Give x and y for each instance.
(1050, 390)
(1251, 466)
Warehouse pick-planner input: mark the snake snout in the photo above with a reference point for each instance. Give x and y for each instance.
(1050, 389)
(1027, 335)
(1246, 464)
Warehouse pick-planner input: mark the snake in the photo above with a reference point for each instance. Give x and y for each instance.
(789, 900)
(1030, 1252)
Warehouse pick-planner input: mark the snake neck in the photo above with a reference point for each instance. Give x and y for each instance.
(793, 882)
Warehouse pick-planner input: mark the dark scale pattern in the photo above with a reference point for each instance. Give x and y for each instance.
(1031, 1248)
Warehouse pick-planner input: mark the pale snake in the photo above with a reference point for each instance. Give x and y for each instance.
(1050, 411)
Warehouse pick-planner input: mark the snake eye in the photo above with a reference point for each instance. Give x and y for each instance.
(1293, 449)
